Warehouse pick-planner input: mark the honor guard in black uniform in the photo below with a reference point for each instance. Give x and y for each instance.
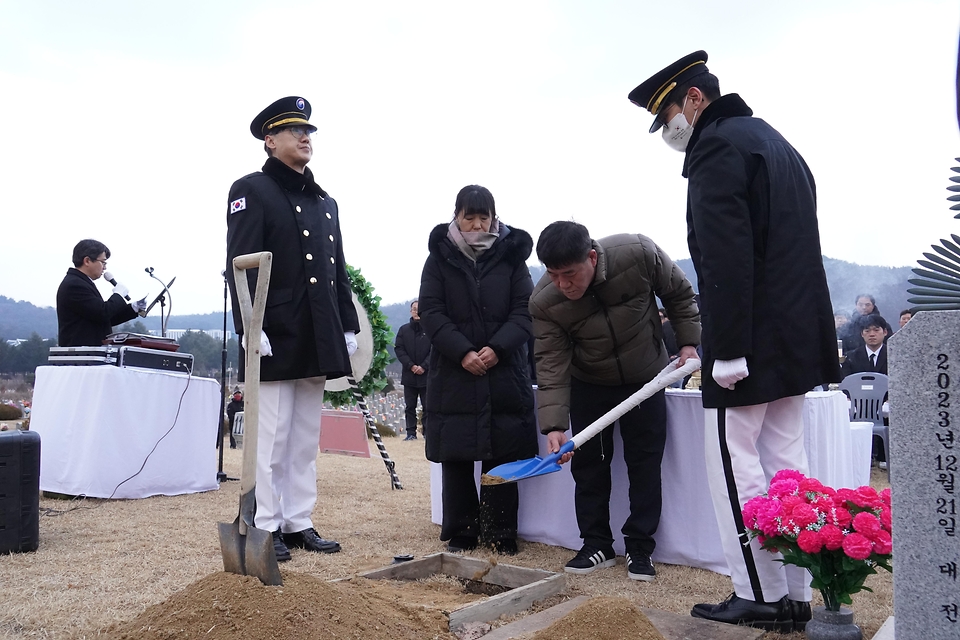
(310, 321)
(768, 331)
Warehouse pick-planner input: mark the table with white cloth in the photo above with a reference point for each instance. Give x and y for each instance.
(688, 533)
(99, 424)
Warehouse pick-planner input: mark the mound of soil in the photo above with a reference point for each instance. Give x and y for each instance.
(602, 618)
(225, 606)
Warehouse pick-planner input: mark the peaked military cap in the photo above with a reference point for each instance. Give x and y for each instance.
(652, 92)
(285, 112)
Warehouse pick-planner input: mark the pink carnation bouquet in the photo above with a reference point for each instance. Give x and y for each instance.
(841, 535)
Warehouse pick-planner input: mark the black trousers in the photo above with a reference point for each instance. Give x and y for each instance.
(492, 517)
(643, 431)
(410, 395)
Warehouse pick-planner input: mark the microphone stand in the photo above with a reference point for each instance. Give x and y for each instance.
(162, 299)
(221, 476)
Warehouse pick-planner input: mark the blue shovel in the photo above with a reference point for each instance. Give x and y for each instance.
(523, 469)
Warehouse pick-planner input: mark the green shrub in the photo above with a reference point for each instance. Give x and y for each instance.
(385, 431)
(10, 412)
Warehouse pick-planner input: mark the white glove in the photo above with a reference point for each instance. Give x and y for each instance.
(265, 348)
(351, 339)
(139, 305)
(728, 372)
(122, 290)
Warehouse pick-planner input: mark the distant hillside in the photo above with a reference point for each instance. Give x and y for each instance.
(20, 319)
(847, 280)
(887, 284)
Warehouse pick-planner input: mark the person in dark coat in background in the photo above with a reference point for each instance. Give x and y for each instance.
(768, 331)
(413, 351)
(84, 318)
(865, 305)
(669, 337)
(473, 305)
(233, 408)
(309, 324)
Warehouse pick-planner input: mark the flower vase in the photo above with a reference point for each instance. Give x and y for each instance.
(832, 625)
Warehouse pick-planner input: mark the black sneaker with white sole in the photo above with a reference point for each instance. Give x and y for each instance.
(639, 566)
(590, 558)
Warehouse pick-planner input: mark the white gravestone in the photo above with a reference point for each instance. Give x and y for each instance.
(924, 368)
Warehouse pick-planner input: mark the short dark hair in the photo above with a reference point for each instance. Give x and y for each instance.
(88, 249)
(273, 133)
(563, 243)
(872, 320)
(905, 312)
(869, 297)
(706, 82)
(474, 199)
(415, 301)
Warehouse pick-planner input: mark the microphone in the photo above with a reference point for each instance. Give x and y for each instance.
(109, 278)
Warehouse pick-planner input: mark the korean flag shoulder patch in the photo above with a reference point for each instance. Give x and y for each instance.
(238, 205)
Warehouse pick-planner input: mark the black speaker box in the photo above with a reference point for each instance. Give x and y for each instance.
(19, 491)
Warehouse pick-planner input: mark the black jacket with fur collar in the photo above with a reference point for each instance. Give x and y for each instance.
(465, 306)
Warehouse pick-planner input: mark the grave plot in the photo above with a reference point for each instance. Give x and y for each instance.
(503, 589)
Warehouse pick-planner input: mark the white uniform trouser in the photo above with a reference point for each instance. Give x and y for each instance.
(745, 447)
(287, 445)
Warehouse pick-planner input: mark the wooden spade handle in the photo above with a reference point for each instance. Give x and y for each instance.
(670, 374)
(252, 314)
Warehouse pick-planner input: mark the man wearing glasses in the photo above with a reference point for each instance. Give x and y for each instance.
(83, 317)
(310, 321)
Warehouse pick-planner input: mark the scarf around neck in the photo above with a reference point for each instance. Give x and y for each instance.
(472, 244)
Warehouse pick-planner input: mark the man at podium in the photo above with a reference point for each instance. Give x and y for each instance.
(84, 318)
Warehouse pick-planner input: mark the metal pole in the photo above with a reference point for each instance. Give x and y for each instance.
(221, 476)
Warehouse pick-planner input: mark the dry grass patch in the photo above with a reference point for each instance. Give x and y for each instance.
(101, 564)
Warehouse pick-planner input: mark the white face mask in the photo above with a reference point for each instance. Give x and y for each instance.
(676, 133)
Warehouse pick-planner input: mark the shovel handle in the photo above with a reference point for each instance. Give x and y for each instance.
(252, 314)
(670, 374)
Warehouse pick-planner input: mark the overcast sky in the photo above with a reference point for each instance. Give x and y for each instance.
(127, 122)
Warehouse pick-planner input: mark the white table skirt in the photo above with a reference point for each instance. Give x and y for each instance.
(688, 533)
(862, 433)
(99, 423)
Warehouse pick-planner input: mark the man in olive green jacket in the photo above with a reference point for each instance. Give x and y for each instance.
(598, 340)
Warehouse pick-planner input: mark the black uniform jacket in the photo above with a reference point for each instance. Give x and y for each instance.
(83, 317)
(413, 347)
(754, 240)
(309, 303)
(857, 361)
(465, 306)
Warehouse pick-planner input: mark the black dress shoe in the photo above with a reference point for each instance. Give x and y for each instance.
(801, 614)
(770, 616)
(309, 539)
(279, 548)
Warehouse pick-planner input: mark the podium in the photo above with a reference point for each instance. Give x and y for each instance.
(99, 425)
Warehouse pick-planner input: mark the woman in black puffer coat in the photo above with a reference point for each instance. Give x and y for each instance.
(473, 305)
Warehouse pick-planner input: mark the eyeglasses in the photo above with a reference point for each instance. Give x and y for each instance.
(298, 132)
(103, 262)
